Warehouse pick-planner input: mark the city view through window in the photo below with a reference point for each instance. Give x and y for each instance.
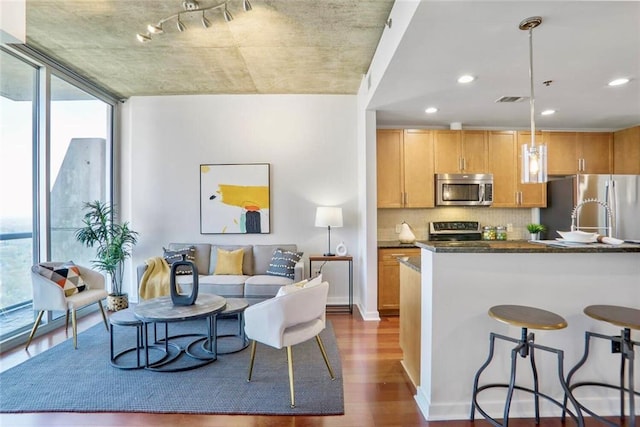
(78, 164)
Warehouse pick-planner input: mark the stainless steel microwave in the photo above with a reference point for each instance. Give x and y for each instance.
(461, 189)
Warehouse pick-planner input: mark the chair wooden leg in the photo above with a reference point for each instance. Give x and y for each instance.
(290, 363)
(74, 326)
(34, 329)
(253, 357)
(324, 355)
(104, 316)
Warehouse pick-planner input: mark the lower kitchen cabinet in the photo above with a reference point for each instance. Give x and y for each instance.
(410, 321)
(389, 279)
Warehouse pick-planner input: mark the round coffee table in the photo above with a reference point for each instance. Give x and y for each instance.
(162, 310)
(234, 307)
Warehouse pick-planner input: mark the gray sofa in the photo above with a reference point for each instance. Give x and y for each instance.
(254, 284)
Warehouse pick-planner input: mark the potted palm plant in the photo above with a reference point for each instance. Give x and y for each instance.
(113, 243)
(535, 230)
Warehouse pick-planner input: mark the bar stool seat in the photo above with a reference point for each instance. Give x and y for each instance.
(526, 318)
(626, 318)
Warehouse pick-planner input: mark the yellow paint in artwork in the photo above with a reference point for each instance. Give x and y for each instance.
(204, 168)
(245, 196)
(224, 229)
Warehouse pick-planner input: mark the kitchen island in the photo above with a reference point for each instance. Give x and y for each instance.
(460, 281)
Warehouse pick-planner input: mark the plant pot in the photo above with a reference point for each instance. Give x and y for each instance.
(535, 236)
(117, 302)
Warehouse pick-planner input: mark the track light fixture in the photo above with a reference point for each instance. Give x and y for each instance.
(191, 6)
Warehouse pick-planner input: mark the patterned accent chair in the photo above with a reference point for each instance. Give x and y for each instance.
(52, 294)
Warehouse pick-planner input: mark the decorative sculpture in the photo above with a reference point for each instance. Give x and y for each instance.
(179, 298)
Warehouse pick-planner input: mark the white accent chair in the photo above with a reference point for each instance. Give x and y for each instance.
(287, 320)
(48, 296)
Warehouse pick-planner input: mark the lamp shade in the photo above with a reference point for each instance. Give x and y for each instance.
(328, 216)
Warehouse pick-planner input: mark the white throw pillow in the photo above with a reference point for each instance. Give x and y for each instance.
(287, 289)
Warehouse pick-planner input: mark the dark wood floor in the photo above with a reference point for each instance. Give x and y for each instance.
(377, 392)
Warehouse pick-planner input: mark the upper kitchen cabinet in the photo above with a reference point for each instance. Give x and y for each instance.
(504, 163)
(405, 168)
(626, 152)
(579, 152)
(460, 151)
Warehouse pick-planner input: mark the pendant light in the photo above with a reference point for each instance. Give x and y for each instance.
(534, 156)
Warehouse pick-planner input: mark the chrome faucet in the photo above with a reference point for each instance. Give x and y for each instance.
(574, 215)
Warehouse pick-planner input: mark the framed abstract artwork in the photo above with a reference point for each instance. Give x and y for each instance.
(234, 199)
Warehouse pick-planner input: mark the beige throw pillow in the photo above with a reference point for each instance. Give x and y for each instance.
(229, 262)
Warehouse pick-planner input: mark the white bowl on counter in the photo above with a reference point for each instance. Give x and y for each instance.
(578, 236)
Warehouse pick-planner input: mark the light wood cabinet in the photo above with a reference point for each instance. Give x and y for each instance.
(460, 151)
(626, 151)
(405, 168)
(505, 165)
(389, 168)
(389, 278)
(410, 321)
(579, 152)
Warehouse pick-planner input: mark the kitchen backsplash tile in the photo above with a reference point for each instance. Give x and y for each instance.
(419, 220)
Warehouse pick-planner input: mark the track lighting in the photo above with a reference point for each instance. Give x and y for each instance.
(181, 26)
(191, 6)
(205, 22)
(228, 17)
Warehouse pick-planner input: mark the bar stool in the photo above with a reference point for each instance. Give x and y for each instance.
(627, 318)
(526, 318)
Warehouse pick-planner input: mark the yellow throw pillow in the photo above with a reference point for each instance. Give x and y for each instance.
(229, 262)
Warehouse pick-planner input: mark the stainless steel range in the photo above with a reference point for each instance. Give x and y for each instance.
(454, 231)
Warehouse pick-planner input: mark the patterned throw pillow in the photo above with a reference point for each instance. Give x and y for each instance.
(283, 263)
(66, 275)
(176, 255)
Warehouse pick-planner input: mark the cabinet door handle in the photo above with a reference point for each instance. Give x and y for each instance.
(584, 165)
(464, 164)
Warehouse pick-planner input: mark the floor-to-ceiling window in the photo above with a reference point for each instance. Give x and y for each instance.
(55, 155)
(17, 102)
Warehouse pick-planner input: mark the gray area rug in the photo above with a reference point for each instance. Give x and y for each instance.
(65, 380)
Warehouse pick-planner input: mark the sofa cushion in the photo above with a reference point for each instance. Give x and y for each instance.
(264, 286)
(203, 254)
(173, 256)
(226, 286)
(283, 263)
(247, 257)
(262, 255)
(66, 275)
(229, 262)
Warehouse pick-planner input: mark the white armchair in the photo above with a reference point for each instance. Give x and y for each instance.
(49, 296)
(287, 320)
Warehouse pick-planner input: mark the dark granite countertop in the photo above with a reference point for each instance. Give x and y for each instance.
(391, 244)
(524, 246)
(412, 262)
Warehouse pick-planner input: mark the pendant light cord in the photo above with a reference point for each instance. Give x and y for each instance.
(532, 99)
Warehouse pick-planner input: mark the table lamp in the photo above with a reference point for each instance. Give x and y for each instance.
(328, 217)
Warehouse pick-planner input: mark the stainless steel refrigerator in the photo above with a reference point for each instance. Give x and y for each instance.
(620, 192)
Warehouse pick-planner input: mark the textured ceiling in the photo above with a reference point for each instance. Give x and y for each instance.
(280, 47)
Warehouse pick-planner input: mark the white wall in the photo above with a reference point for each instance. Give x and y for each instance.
(309, 141)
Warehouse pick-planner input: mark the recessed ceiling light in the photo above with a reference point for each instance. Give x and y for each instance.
(431, 110)
(618, 82)
(548, 112)
(466, 79)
